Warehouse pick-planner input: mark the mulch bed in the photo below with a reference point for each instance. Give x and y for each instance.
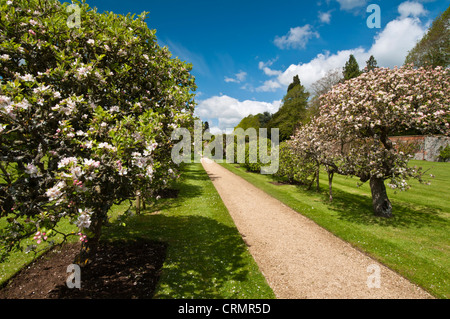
(120, 271)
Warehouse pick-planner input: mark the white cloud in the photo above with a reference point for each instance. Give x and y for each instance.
(296, 38)
(270, 85)
(214, 130)
(325, 17)
(318, 67)
(390, 48)
(398, 37)
(230, 111)
(410, 8)
(271, 72)
(268, 71)
(351, 4)
(239, 77)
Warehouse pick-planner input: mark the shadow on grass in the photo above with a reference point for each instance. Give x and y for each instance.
(203, 254)
(205, 257)
(358, 209)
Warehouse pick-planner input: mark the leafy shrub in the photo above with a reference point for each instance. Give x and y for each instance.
(254, 161)
(444, 154)
(294, 168)
(86, 114)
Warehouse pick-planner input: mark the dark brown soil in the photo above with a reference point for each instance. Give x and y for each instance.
(120, 271)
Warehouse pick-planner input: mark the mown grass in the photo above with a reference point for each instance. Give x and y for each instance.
(415, 242)
(20, 259)
(206, 256)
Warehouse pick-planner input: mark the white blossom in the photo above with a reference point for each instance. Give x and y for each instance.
(77, 172)
(91, 163)
(24, 104)
(67, 161)
(114, 109)
(84, 219)
(31, 170)
(56, 191)
(149, 171)
(107, 146)
(27, 77)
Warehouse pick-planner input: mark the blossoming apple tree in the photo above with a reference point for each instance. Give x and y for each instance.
(357, 118)
(86, 115)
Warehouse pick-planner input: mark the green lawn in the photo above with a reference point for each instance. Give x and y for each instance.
(415, 242)
(17, 259)
(206, 256)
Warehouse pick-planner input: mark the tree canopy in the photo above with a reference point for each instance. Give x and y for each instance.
(351, 134)
(292, 111)
(351, 68)
(434, 48)
(250, 121)
(86, 114)
(371, 64)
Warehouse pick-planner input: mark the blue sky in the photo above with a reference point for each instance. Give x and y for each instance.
(245, 53)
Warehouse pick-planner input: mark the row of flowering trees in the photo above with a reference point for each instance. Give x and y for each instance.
(86, 114)
(350, 136)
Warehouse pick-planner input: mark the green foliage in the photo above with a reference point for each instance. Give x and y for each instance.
(295, 82)
(292, 112)
(434, 48)
(251, 121)
(371, 64)
(351, 69)
(206, 126)
(206, 252)
(254, 159)
(264, 118)
(254, 121)
(444, 154)
(294, 168)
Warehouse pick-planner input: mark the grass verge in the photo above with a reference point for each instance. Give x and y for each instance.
(415, 242)
(17, 260)
(206, 256)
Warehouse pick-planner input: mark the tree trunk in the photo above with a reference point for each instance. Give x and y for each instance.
(381, 205)
(89, 247)
(138, 202)
(317, 180)
(330, 183)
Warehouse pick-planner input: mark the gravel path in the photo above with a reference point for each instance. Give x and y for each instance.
(299, 258)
